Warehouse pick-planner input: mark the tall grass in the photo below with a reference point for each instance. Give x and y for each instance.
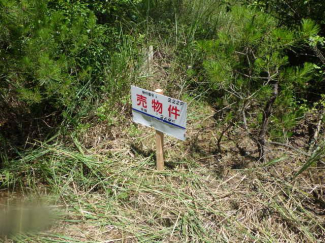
(116, 195)
(107, 189)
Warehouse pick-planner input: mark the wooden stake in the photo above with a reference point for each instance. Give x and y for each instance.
(159, 144)
(150, 60)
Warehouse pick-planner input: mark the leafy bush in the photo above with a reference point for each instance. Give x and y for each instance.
(249, 67)
(57, 59)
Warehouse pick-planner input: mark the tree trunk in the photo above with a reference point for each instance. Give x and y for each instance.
(266, 117)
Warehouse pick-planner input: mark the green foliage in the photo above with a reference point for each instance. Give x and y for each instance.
(309, 28)
(59, 58)
(291, 13)
(72, 61)
(67, 65)
(246, 59)
(316, 156)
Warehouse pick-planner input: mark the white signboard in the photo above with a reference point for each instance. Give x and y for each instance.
(163, 113)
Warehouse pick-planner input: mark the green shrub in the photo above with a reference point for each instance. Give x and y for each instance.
(249, 67)
(58, 60)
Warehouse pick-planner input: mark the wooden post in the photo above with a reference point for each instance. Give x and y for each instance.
(150, 60)
(159, 144)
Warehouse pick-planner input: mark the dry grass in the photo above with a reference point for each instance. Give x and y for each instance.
(111, 192)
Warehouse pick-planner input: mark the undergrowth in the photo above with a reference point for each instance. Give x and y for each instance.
(116, 195)
(98, 172)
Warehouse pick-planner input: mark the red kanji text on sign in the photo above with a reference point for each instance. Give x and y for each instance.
(142, 101)
(173, 110)
(157, 106)
(165, 114)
